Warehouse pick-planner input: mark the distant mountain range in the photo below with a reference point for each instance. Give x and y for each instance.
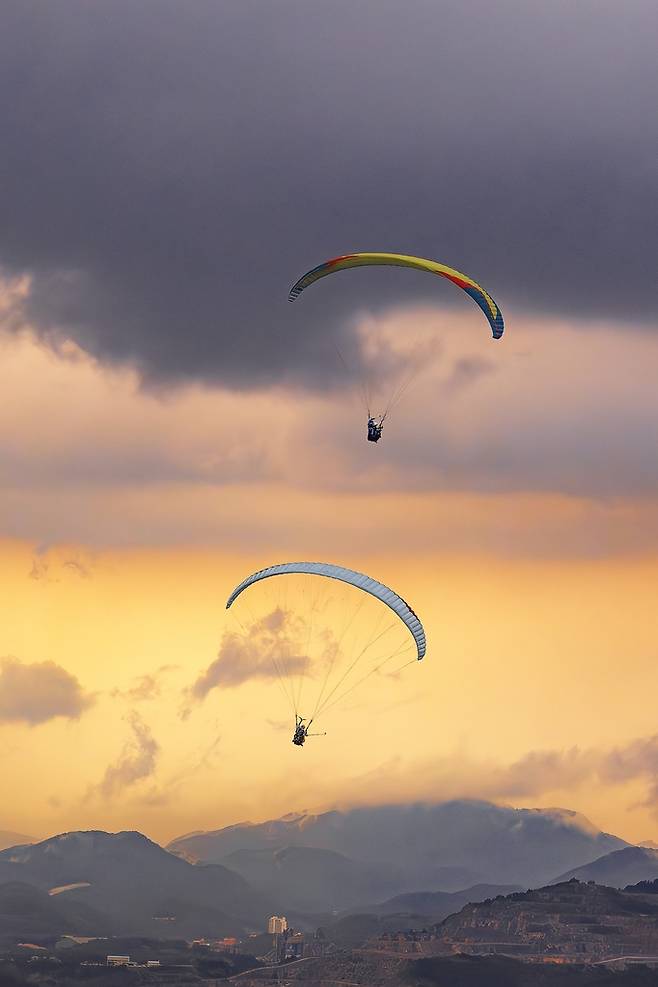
(406, 911)
(311, 880)
(619, 868)
(126, 883)
(393, 849)
(361, 871)
(436, 905)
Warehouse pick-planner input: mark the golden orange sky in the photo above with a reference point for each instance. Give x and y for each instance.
(514, 507)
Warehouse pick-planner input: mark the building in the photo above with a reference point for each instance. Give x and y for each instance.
(277, 924)
(294, 946)
(227, 945)
(118, 961)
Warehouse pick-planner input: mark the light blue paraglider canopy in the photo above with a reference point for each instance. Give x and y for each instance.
(357, 579)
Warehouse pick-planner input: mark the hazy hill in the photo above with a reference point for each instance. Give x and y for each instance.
(406, 911)
(142, 888)
(7, 839)
(30, 913)
(436, 905)
(352, 931)
(311, 880)
(619, 868)
(443, 846)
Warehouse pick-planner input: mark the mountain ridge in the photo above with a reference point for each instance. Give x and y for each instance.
(618, 868)
(136, 884)
(570, 921)
(440, 846)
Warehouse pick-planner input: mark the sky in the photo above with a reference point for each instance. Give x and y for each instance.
(170, 423)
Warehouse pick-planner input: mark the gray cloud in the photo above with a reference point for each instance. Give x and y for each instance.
(273, 646)
(537, 774)
(137, 761)
(637, 759)
(39, 692)
(540, 772)
(466, 371)
(167, 175)
(146, 687)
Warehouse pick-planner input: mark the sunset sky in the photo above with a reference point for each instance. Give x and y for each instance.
(170, 423)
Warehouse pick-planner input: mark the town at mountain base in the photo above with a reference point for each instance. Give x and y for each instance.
(570, 922)
(303, 899)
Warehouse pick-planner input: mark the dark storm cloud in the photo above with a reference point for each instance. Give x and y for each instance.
(170, 169)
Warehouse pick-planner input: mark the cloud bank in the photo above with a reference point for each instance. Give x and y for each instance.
(536, 775)
(38, 692)
(273, 646)
(167, 176)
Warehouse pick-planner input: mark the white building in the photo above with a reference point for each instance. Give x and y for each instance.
(118, 960)
(277, 924)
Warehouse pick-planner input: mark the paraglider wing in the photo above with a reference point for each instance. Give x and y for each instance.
(358, 579)
(463, 281)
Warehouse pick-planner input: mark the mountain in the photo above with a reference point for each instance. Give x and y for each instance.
(570, 921)
(354, 931)
(140, 888)
(405, 911)
(306, 879)
(436, 905)
(643, 887)
(30, 913)
(7, 839)
(619, 868)
(438, 846)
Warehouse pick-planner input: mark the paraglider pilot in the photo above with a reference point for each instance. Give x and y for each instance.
(301, 731)
(299, 735)
(375, 429)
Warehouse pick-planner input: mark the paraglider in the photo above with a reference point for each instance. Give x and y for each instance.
(463, 281)
(314, 630)
(481, 297)
(339, 572)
